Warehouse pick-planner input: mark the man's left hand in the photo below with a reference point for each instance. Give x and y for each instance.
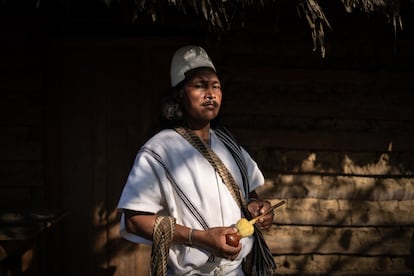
(258, 207)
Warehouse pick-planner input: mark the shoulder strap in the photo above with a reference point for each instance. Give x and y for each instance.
(185, 198)
(233, 146)
(217, 164)
(263, 262)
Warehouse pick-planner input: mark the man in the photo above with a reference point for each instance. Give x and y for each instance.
(175, 198)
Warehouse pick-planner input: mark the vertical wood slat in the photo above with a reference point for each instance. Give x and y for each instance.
(99, 125)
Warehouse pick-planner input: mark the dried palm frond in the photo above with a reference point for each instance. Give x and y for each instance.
(317, 21)
(220, 14)
(391, 9)
(364, 5)
(216, 13)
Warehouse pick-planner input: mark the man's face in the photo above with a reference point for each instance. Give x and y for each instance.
(202, 97)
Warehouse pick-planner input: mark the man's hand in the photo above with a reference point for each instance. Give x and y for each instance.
(258, 207)
(214, 241)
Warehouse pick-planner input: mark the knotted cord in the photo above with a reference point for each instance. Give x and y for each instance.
(263, 262)
(162, 237)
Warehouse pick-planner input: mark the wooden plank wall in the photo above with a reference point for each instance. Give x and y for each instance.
(110, 101)
(320, 130)
(337, 145)
(21, 123)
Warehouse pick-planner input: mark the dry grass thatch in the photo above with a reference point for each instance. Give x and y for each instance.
(220, 13)
(223, 15)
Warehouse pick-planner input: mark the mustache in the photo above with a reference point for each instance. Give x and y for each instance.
(210, 102)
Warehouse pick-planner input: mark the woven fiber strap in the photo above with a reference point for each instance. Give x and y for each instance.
(217, 164)
(162, 237)
(263, 263)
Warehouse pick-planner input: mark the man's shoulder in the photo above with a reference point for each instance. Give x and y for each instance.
(161, 135)
(163, 138)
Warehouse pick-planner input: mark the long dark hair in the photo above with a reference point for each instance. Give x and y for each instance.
(172, 114)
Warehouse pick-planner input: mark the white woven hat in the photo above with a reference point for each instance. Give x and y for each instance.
(187, 58)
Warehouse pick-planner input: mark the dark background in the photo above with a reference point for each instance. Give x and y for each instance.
(81, 85)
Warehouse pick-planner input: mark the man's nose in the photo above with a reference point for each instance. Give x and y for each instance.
(210, 92)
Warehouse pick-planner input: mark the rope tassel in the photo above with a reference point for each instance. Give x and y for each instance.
(162, 237)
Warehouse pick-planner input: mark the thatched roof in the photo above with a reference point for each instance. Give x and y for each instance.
(226, 15)
(221, 14)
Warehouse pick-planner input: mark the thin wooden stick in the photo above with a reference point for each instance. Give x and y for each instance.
(280, 203)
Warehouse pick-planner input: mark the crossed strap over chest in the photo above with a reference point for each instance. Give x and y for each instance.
(217, 164)
(263, 262)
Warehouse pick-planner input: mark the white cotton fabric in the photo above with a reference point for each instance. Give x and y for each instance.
(148, 190)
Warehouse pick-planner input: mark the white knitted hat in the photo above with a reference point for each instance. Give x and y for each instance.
(187, 58)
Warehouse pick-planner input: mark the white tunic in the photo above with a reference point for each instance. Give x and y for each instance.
(150, 189)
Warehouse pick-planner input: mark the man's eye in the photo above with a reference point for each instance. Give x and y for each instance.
(198, 85)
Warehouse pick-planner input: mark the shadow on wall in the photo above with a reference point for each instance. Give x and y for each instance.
(354, 218)
(378, 180)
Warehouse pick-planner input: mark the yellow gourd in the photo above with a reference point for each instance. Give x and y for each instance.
(246, 227)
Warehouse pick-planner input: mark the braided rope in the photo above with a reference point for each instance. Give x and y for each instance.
(162, 237)
(218, 165)
(263, 262)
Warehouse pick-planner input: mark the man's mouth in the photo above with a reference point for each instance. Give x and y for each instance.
(210, 103)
